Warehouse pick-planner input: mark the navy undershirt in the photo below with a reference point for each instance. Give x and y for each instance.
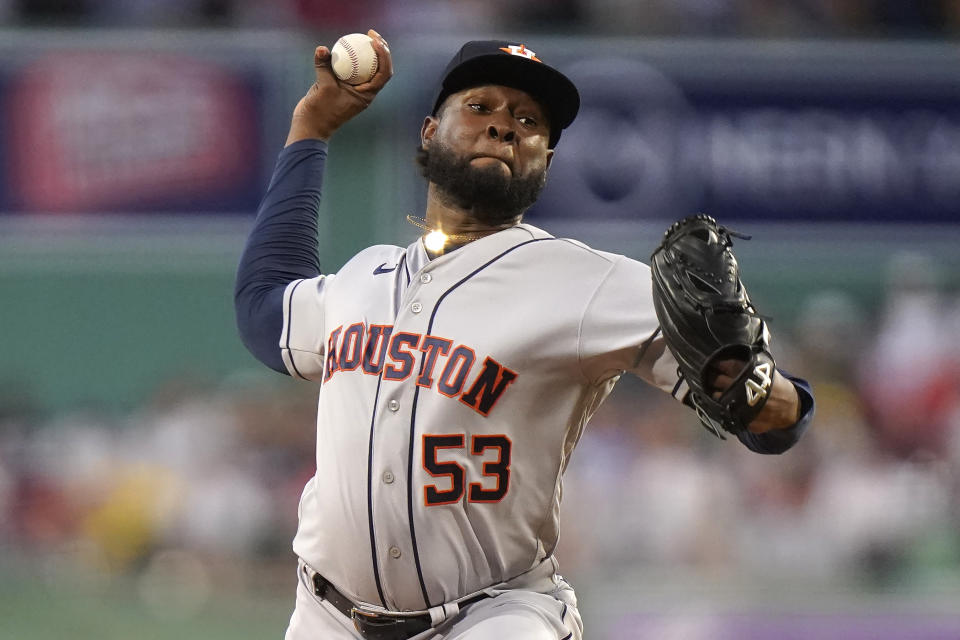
(283, 247)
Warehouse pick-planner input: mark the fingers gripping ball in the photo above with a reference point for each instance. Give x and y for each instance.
(353, 58)
(710, 325)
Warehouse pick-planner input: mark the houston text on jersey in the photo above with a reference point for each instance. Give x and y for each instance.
(375, 349)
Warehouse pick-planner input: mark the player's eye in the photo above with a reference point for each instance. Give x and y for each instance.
(477, 106)
(527, 121)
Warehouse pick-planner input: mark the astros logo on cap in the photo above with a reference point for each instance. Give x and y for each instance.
(520, 50)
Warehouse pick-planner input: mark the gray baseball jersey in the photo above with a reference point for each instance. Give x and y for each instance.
(453, 392)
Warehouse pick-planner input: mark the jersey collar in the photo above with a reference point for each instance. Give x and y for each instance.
(476, 252)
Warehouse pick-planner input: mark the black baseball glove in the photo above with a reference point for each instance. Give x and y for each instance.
(710, 325)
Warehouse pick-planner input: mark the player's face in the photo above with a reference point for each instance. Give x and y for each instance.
(496, 126)
(487, 149)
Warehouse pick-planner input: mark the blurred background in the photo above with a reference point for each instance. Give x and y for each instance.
(150, 468)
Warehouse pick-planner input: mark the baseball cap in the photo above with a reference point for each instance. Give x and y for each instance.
(512, 64)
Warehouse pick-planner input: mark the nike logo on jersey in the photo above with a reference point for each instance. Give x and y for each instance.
(381, 269)
(443, 366)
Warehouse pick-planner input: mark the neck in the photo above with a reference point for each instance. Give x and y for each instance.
(453, 220)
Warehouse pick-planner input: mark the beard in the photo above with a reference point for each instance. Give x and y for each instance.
(485, 192)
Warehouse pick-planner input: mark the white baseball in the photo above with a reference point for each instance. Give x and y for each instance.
(353, 58)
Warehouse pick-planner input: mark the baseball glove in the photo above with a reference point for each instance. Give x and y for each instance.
(710, 325)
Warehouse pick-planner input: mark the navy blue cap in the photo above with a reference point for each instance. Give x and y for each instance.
(511, 64)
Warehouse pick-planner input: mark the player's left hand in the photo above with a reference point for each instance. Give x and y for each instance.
(782, 409)
(330, 103)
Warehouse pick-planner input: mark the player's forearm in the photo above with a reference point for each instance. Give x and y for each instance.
(282, 247)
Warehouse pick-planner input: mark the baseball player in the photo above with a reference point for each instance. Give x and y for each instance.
(456, 374)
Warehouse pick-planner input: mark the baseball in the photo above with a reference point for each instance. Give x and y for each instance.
(354, 59)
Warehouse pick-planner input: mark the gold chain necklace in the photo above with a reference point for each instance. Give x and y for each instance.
(452, 237)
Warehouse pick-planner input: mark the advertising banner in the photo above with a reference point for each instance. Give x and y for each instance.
(798, 132)
(129, 132)
(145, 123)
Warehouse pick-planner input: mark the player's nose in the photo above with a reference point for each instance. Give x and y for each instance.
(501, 129)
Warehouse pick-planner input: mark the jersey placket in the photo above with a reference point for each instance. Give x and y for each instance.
(393, 463)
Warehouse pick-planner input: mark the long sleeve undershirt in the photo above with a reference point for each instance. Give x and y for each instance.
(282, 247)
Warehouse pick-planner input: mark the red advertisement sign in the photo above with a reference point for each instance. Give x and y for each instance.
(115, 131)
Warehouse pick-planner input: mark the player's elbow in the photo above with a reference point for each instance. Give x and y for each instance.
(259, 318)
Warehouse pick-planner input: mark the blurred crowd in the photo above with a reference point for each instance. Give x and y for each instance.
(201, 480)
(753, 18)
(206, 477)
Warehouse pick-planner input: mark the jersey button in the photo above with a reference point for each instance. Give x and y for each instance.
(416, 307)
(393, 405)
(425, 278)
(388, 477)
(394, 552)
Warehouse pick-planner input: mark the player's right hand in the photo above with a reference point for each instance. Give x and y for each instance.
(330, 103)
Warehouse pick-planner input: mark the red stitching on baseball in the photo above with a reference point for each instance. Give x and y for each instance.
(354, 61)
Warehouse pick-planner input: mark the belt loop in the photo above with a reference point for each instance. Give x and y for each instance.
(307, 574)
(316, 581)
(442, 612)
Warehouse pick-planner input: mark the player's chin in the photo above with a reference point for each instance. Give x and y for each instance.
(491, 164)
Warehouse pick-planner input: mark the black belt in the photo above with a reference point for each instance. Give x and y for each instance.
(377, 626)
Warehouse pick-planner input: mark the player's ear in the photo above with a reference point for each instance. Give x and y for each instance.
(428, 130)
(549, 157)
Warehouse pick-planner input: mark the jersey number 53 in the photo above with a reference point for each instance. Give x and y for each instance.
(493, 485)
